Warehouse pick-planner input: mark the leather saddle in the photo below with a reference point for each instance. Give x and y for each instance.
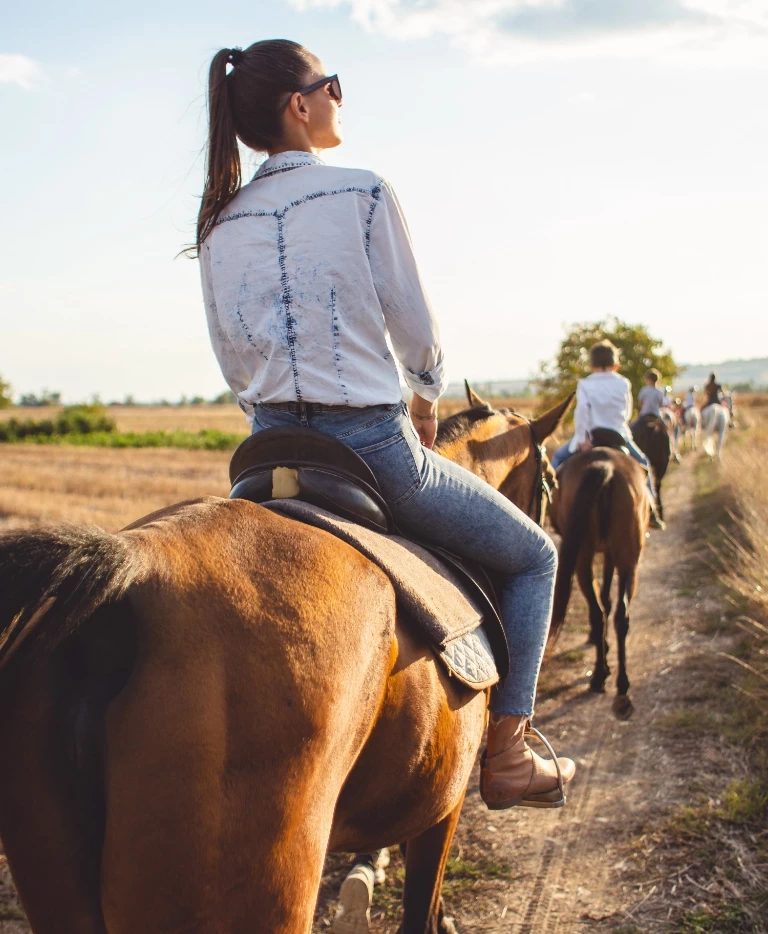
(316, 468)
(301, 463)
(608, 438)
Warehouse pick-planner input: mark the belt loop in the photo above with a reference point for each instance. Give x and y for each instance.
(304, 411)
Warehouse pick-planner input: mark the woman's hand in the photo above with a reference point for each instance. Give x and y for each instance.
(424, 418)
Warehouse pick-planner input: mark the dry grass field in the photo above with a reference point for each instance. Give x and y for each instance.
(110, 488)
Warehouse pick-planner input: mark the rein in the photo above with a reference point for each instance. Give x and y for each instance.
(541, 488)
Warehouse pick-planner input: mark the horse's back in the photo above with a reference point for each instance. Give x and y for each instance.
(616, 516)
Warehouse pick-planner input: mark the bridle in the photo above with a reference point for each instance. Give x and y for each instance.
(541, 489)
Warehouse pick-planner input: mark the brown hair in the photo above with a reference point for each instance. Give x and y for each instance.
(652, 375)
(604, 355)
(245, 104)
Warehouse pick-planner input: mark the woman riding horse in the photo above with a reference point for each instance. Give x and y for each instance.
(306, 270)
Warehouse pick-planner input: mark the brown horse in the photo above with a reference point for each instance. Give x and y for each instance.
(197, 709)
(601, 505)
(652, 436)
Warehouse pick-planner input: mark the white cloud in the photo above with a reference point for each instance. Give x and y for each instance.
(19, 69)
(716, 31)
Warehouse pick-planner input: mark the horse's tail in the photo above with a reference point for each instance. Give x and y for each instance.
(51, 580)
(593, 492)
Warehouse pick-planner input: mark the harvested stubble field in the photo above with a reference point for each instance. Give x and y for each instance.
(665, 831)
(111, 488)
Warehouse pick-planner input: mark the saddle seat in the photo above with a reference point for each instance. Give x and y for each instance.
(314, 478)
(301, 463)
(608, 438)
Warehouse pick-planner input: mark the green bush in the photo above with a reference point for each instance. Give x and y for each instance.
(206, 440)
(74, 420)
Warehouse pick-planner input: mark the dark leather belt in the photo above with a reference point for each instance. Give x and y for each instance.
(299, 408)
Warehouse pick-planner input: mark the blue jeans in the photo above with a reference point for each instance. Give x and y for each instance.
(562, 454)
(446, 504)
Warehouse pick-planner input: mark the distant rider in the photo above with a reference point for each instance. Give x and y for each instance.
(650, 399)
(604, 400)
(656, 402)
(713, 391)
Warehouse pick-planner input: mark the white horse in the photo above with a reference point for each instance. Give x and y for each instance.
(692, 424)
(714, 418)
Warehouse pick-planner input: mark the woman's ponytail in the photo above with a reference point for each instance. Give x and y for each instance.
(223, 172)
(245, 103)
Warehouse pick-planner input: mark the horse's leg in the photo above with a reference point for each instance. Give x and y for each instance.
(721, 438)
(597, 621)
(605, 593)
(425, 860)
(622, 706)
(659, 504)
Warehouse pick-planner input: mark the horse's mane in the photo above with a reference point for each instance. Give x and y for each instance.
(456, 426)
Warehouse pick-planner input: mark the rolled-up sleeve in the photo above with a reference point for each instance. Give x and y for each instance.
(231, 365)
(407, 312)
(581, 418)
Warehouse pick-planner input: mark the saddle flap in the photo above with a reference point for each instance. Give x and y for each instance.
(454, 615)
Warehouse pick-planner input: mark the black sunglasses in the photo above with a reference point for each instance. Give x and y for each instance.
(331, 82)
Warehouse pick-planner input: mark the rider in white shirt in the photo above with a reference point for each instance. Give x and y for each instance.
(604, 400)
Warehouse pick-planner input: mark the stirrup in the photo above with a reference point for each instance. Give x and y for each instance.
(546, 799)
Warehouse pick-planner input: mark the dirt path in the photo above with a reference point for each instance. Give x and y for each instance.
(571, 861)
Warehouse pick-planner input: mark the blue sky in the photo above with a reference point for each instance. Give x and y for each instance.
(558, 160)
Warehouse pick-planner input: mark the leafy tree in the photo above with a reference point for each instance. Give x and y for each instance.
(6, 394)
(224, 398)
(638, 352)
(46, 397)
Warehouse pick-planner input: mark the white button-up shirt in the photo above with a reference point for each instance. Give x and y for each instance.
(306, 272)
(603, 400)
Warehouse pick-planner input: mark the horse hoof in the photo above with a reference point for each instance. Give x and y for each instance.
(447, 926)
(622, 707)
(597, 687)
(354, 913)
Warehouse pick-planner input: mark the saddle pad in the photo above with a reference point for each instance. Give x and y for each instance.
(426, 590)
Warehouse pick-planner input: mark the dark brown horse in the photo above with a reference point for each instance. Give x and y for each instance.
(196, 710)
(601, 506)
(652, 436)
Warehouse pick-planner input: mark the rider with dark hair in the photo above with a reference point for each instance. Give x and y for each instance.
(713, 391)
(306, 271)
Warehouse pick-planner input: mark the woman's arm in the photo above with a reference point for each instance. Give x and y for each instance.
(424, 418)
(404, 303)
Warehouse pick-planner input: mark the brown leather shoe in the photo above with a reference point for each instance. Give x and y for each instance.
(513, 775)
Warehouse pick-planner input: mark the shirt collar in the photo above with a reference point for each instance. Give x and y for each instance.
(285, 161)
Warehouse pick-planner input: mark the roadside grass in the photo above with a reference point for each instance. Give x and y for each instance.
(719, 836)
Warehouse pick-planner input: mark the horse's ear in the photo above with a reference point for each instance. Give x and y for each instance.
(472, 397)
(546, 424)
